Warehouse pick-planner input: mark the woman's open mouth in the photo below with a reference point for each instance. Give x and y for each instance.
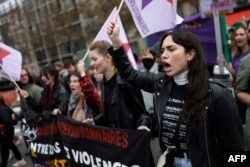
(167, 67)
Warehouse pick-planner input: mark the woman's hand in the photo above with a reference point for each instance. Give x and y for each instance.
(24, 93)
(56, 111)
(80, 67)
(221, 59)
(113, 33)
(89, 121)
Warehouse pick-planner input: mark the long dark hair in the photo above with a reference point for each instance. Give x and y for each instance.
(197, 87)
(49, 69)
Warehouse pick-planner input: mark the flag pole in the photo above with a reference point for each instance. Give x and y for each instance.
(85, 55)
(117, 14)
(119, 9)
(10, 77)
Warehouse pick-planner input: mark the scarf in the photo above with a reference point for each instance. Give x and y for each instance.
(76, 108)
(48, 97)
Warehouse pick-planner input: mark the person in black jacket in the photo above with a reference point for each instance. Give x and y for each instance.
(6, 136)
(54, 95)
(123, 105)
(198, 119)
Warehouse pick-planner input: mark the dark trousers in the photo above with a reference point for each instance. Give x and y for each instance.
(7, 144)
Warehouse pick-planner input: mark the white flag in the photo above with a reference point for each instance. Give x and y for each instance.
(10, 62)
(102, 35)
(151, 16)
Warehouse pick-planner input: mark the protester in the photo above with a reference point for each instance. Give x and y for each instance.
(155, 50)
(242, 90)
(123, 105)
(70, 68)
(148, 65)
(240, 48)
(198, 119)
(60, 69)
(85, 101)
(6, 136)
(54, 96)
(27, 83)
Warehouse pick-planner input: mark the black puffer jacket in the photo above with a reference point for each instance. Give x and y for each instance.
(221, 128)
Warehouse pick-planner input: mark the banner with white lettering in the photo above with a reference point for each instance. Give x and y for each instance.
(45, 144)
(67, 142)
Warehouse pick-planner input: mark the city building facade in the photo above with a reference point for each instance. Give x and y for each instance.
(51, 30)
(46, 31)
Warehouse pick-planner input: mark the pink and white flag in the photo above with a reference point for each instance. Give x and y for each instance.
(10, 62)
(102, 35)
(151, 16)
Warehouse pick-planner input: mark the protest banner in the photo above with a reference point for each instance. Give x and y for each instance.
(65, 142)
(44, 144)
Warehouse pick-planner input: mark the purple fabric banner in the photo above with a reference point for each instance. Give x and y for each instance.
(203, 29)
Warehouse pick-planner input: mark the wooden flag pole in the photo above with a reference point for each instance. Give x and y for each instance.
(85, 55)
(117, 14)
(119, 9)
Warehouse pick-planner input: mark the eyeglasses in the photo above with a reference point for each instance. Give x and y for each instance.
(24, 75)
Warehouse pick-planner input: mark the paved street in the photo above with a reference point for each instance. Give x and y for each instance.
(23, 149)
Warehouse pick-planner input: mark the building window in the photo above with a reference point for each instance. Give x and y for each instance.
(54, 7)
(43, 12)
(49, 39)
(52, 53)
(79, 44)
(65, 48)
(33, 29)
(68, 3)
(41, 56)
(26, 2)
(31, 17)
(37, 43)
(45, 26)
(76, 31)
